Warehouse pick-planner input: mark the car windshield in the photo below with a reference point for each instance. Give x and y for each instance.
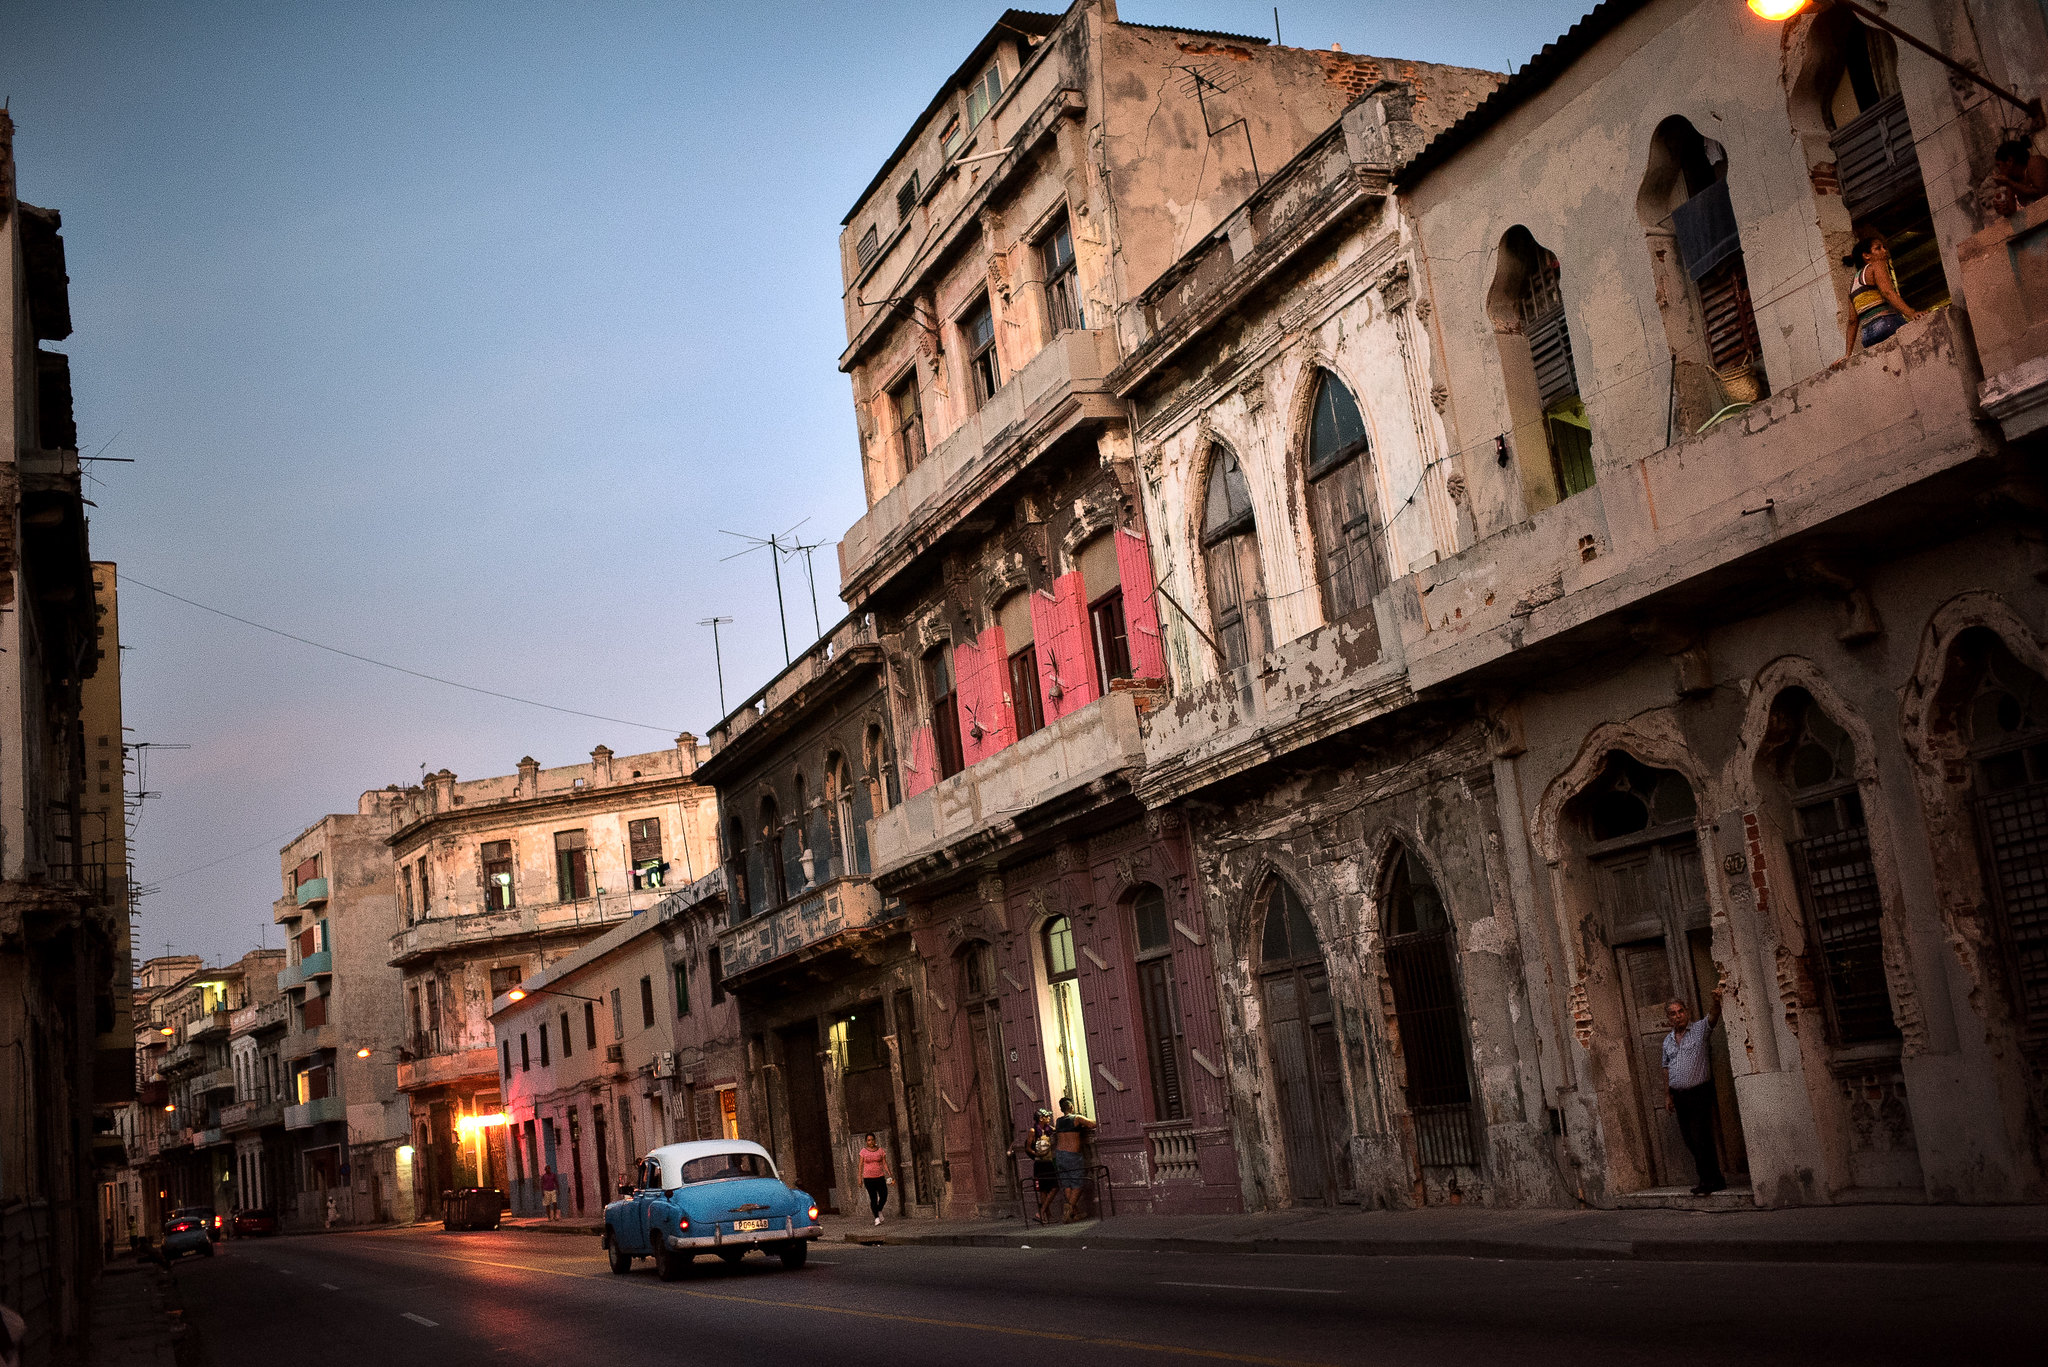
(724, 1167)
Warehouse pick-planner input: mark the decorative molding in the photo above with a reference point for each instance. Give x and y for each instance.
(1093, 516)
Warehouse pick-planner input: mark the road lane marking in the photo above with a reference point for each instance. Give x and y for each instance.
(420, 1319)
(1243, 1286)
(1013, 1331)
(329, 1286)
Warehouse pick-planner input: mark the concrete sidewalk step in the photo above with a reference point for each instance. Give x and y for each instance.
(1896, 1234)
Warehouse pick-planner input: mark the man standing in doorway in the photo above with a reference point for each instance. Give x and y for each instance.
(551, 1193)
(1689, 1087)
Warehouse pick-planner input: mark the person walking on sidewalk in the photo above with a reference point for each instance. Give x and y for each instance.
(1045, 1174)
(550, 1193)
(1689, 1087)
(1067, 1154)
(874, 1175)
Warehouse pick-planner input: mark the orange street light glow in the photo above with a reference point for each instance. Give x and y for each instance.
(363, 1052)
(1775, 10)
(166, 1030)
(479, 1122)
(517, 994)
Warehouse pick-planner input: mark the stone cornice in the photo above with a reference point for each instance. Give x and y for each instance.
(517, 811)
(1169, 780)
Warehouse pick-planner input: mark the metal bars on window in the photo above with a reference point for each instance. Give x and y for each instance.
(2015, 826)
(1426, 1012)
(1840, 887)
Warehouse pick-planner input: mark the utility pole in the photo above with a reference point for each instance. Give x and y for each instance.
(810, 573)
(717, 657)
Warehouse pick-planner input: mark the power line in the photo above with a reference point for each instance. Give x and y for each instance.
(386, 664)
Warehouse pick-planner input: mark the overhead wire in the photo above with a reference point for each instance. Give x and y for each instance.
(127, 579)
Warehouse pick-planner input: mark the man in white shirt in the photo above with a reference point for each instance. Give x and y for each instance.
(1689, 1087)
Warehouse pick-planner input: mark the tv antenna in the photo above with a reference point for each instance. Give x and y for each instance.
(778, 546)
(811, 574)
(1209, 79)
(717, 657)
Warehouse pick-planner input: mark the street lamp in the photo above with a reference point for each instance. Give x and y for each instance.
(520, 994)
(1777, 11)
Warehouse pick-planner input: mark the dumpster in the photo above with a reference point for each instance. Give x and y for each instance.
(472, 1208)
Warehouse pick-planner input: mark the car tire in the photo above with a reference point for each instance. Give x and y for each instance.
(668, 1265)
(621, 1261)
(793, 1255)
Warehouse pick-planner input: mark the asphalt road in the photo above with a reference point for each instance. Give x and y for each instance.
(420, 1298)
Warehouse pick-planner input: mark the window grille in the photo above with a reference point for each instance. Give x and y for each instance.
(1840, 884)
(1428, 1017)
(906, 196)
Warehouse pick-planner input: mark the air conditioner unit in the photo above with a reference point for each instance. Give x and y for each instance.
(665, 1063)
(615, 1053)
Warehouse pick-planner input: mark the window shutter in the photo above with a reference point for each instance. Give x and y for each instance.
(1141, 611)
(1066, 673)
(1725, 307)
(1875, 163)
(1550, 347)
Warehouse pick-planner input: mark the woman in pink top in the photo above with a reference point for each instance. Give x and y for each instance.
(874, 1175)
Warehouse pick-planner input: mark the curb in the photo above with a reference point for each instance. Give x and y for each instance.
(1641, 1250)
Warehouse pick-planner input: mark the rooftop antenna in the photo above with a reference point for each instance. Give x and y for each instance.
(778, 546)
(1205, 80)
(810, 573)
(717, 657)
(1276, 27)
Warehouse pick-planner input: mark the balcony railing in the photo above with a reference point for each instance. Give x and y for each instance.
(219, 1080)
(319, 964)
(1810, 455)
(1079, 748)
(213, 1022)
(312, 892)
(437, 934)
(439, 1070)
(956, 474)
(809, 925)
(251, 1115)
(307, 1114)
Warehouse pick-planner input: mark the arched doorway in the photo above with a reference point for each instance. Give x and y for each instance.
(1429, 1015)
(1301, 1038)
(1654, 916)
(987, 1087)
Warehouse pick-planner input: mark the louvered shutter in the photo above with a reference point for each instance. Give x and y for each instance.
(1875, 163)
(1550, 347)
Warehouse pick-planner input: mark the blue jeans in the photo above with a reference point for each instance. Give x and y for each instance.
(1881, 327)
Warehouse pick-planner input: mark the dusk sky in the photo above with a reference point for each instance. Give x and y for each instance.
(453, 335)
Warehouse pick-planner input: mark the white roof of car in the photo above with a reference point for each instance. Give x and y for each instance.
(673, 1156)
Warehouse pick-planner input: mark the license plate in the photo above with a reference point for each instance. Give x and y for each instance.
(748, 1226)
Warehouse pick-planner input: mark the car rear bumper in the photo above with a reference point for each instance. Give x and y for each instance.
(718, 1239)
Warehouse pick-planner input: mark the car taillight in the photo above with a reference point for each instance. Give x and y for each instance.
(682, 1223)
(814, 1215)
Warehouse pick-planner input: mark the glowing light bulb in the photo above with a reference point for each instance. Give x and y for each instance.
(1776, 10)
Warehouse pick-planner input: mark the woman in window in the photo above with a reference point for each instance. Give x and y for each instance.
(1874, 292)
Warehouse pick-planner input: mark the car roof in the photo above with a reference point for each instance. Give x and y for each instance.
(673, 1156)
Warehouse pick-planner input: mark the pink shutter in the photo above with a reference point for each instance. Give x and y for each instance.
(1066, 654)
(982, 674)
(1141, 607)
(923, 769)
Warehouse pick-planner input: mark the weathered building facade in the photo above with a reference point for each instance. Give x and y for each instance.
(622, 1045)
(822, 964)
(345, 1122)
(65, 1061)
(1004, 560)
(1757, 686)
(497, 878)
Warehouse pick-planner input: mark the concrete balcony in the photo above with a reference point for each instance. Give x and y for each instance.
(312, 893)
(244, 1116)
(306, 1115)
(440, 934)
(2005, 284)
(1726, 512)
(1334, 678)
(838, 915)
(318, 965)
(305, 1043)
(219, 1080)
(207, 1138)
(1058, 388)
(440, 1070)
(254, 1020)
(212, 1023)
(182, 1060)
(982, 804)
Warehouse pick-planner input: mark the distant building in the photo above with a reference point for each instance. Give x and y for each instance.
(620, 1046)
(494, 880)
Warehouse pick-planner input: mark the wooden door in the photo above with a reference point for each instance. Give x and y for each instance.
(985, 1030)
(810, 1136)
(1645, 988)
(1304, 1055)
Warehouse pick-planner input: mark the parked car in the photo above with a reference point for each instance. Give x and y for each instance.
(208, 1218)
(719, 1196)
(186, 1234)
(248, 1222)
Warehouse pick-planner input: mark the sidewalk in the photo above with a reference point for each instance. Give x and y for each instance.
(132, 1319)
(1857, 1233)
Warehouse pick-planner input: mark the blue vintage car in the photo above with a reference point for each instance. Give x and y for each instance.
(717, 1196)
